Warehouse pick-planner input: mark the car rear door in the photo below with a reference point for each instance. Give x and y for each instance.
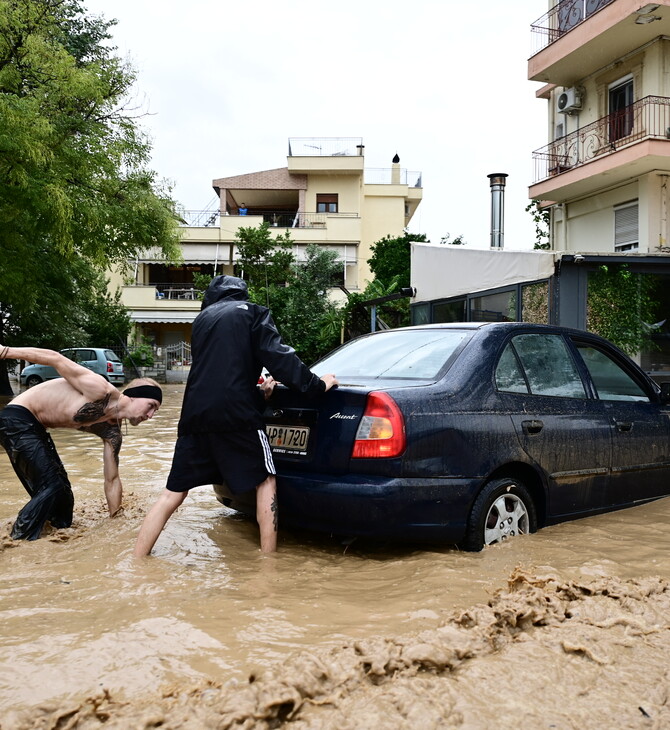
(639, 424)
(563, 430)
(87, 358)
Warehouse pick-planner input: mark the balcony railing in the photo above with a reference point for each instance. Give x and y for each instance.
(648, 118)
(392, 176)
(174, 290)
(561, 19)
(325, 147)
(199, 218)
(276, 219)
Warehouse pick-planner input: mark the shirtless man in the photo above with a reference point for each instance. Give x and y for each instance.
(83, 400)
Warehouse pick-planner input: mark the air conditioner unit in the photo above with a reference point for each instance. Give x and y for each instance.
(569, 101)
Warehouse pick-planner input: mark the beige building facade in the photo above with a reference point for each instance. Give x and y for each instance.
(324, 196)
(604, 173)
(603, 177)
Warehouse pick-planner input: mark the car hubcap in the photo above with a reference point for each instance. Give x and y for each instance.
(507, 517)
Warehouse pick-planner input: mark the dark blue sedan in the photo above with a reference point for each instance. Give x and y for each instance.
(467, 434)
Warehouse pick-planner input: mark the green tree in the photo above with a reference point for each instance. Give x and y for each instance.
(391, 258)
(75, 191)
(541, 218)
(264, 262)
(308, 320)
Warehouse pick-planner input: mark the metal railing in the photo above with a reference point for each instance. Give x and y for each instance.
(280, 219)
(199, 218)
(325, 147)
(648, 118)
(392, 176)
(173, 290)
(561, 19)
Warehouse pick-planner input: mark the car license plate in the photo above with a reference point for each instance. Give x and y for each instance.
(288, 438)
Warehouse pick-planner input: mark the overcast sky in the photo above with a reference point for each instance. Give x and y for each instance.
(443, 84)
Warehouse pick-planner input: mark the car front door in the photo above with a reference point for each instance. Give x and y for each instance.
(640, 426)
(566, 433)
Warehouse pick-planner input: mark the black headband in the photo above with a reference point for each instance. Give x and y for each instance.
(145, 391)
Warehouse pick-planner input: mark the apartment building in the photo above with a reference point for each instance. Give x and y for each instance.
(603, 176)
(324, 196)
(605, 169)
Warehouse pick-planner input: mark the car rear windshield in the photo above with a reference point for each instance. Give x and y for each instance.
(111, 355)
(412, 354)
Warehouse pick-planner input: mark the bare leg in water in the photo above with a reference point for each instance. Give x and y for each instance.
(155, 521)
(266, 514)
(168, 502)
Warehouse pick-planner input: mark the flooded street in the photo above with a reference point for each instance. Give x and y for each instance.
(173, 640)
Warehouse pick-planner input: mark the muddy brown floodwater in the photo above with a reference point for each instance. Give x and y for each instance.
(567, 628)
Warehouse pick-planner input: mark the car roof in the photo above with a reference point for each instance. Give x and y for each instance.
(493, 326)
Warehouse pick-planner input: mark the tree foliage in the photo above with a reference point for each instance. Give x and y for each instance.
(391, 258)
(620, 305)
(541, 219)
(76, 196)
(308, 320)
(448, 241)
(295, 291)
(264, 261)
(390, 263)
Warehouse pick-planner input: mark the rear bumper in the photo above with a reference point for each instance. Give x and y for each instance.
(434, 510)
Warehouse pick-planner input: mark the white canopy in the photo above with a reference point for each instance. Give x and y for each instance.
(441, 271)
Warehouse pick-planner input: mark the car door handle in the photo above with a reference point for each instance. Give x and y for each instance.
(624, 426)
(532, 427)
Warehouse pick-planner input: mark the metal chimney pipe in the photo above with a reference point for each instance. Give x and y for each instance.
(497, 208)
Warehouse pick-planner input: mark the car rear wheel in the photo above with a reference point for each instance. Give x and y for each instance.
(503, 509)
(33, 380)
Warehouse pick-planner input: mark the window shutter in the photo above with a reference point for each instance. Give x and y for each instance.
(626, 230)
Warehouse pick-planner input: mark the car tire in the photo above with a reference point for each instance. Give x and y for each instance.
(503, 509)
(33, 380)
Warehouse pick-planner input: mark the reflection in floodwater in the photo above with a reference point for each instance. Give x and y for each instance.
(373, 635)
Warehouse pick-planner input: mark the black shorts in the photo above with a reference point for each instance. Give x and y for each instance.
(240, 459)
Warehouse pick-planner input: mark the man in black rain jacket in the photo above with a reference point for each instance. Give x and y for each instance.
(221, 436)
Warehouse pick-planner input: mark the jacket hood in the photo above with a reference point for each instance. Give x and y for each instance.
(225, 287)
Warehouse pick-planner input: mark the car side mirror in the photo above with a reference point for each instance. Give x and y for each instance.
(665, 393)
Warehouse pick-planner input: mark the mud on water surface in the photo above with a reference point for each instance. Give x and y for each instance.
(566, 628)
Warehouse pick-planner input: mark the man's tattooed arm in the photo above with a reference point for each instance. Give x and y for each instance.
(107, 432)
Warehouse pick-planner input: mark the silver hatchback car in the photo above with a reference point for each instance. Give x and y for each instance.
(98, 359)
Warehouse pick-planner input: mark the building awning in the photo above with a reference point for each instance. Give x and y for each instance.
(440, 272)
(169, 317)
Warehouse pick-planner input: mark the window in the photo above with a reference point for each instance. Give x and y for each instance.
(412, 354)
(326, 202)
(499, 307)
(84, 355)
(626, 229)
(453, 311)
(611, 381)
(509, 376)
(621, 109)
(546, 363)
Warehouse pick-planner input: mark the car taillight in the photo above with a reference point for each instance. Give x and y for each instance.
(381, 432)
(110, 367)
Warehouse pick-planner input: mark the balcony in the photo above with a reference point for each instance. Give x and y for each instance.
(578, 37)
(622, 145)
(561, 19)
(325, 147)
